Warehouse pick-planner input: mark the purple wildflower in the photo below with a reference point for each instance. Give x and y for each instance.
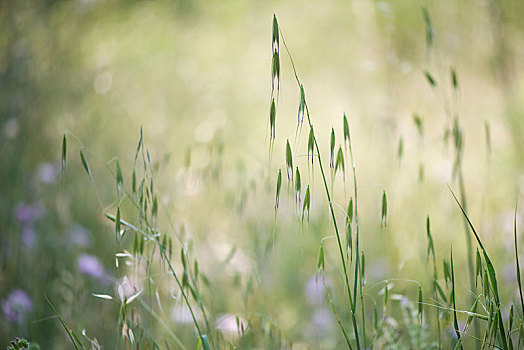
(27, 213)
(47, 173)
(28, 237)
(17, 305)
(322, 320)
(314, 289)
(80, 236)
(91, 266)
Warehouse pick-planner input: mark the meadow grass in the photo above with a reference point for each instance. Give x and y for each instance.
(392, 313)
(385, 327)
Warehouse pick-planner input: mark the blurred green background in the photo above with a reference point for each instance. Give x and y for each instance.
(195, 75)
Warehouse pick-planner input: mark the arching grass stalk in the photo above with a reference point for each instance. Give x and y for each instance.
(492, 279)
(74, 338)
(339, 321)
(352, 301)
(357, 240)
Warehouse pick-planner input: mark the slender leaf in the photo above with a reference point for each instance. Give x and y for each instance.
(307, 204)
(272, 119)
(320, 258)
(310, 144)
(74, 339)
(298, 186)
(455, 321)
(419, 124)
(384, 217)
(332, 149)
(64, 152)
(289, 162)
(430, 79)
(117, 224)
(86, 167)
(279, 185)
(454, 81)
(119, 180)
(339, 164)
(346, 130)
(517, 265)
(431, 249)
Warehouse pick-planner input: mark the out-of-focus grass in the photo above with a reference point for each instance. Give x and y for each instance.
(195, 76)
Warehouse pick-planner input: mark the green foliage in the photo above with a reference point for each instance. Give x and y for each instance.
(19, 344)
(198, 261)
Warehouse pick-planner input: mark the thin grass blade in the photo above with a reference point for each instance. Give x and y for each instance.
(86, 167)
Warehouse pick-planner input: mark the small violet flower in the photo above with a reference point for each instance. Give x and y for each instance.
(80, 236)
(315, 289)
(91, 266)
(47, 173)
(28, 237)
(17, 305)
(322, 320)
(27, 214)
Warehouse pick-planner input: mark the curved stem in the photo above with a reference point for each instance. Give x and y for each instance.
(352, 302)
